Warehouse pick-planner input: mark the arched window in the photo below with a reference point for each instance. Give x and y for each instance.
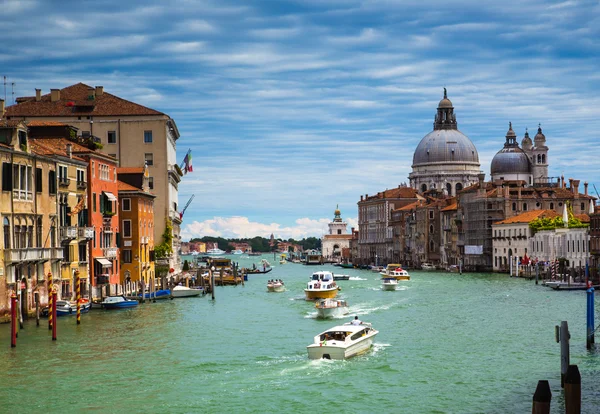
(458, 187)
(431, 246)
(551, 206)
(582, 207)
(514, 206)
(524, 206)
(449, 188)
(543, 158)
(38, 232)
(431, 228)
(6, 233)
(539, 159)
(423, 188)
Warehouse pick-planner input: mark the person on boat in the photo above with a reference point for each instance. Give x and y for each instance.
(356, 321)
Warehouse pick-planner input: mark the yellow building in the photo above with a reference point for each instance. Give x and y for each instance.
(136, 212)
(28, 210)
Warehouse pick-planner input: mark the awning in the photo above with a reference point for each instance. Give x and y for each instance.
(104, 262)
(110, 196)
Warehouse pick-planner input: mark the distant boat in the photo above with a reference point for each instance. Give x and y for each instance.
(395, 271)
(118, 302)
(254, 254)
(389, 284)
(321, 286)
(331, 308)
(64, 307)
(341, 277)
(275, 286)
(195, 253)
(427, 266)
(215, 252)
(237, 251)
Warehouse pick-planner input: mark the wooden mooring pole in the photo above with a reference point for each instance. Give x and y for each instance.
(562, 337)
(590, 319)
(13, 320)
(542, 398)
(37, 308)
(212, 283)
(573, 390)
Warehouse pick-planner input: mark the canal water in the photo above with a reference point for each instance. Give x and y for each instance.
(448, 343)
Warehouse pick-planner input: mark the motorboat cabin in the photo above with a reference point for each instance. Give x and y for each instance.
(342, 342)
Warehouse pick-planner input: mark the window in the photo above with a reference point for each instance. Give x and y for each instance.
(430, 214)
(38, 180)
(112, 137)
(151, 183)
(23, 138)
(22, 182)
(524, 206)
(82, 252)
(126, 256)
(104, 172)
(431, 228)
(7, 176)
(127, 228)
(551, 206)
(149, 158)
(52, 182)
(514, 206)
(62, 174)
(339, 231)
(6, 233)
(93, 169)
(126, 204)
(38, 232)
(147, 137)
(80, 177)
(582, 207)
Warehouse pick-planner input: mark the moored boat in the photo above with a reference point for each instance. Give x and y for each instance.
(186, 292)
(395, 271)
(331, 308)
(341, 277)
(377, 269)
(343, 341)
(64, 308)
(346, 265)
(427, 266)
(118, 302)
(389, 283)
(321, 286)
(159, 294)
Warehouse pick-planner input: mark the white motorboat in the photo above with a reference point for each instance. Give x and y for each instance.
(395, 271)
(331, 308)
(215, 252)
(275, 286)
(427, 266)
(237, 251)
(186, 292)
(195, 253)
(377, 269)
(321, 286)
(342, 342)
(389, 284)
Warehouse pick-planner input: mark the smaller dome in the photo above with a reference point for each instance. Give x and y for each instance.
(526, 143)
(337, 212)
(445, 103)
(510, 161)
(539, 136)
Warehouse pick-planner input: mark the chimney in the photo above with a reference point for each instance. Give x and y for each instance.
(54, 95)
(562, 181)
(361, 198)
(1, 108)
(571, 185)
(576, 188)
(38, 95)
(70, 150)
(99, 90)
(91, 93)
(585, 190)
(366, 196)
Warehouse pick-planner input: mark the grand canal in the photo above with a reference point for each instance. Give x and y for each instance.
(447, 343)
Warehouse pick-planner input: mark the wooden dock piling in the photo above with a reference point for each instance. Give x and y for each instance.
(542, 398)
(573, 390)
(563, 336)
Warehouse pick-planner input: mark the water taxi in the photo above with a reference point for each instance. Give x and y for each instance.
(283, 259)
(427, 266)
(395, 271)
(342, 342)
(321, 286)
(331, 308)
(389, 283)
(275, 286)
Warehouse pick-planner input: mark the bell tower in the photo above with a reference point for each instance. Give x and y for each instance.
(540, 158)
(337, 226)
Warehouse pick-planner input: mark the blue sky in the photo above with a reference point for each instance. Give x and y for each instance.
(293, 107)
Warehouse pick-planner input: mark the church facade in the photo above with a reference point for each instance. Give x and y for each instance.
(336, 244)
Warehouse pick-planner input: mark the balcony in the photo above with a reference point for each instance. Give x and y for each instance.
(110, 252)
(33, 254)
(64, 181)
(108, 214)
(68, 233)
(144, 240)
(86, 232)
(81, 185)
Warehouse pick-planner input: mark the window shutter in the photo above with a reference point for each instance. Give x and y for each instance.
(102, 202)
(7, 176)
(38, 180)
(52, 182)
(118, 237)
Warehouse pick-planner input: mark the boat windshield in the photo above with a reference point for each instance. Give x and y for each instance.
(335, 336)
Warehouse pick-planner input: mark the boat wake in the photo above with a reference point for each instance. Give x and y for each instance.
(357, 278)
(365, 309)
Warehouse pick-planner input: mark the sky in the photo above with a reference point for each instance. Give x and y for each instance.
(291, 108)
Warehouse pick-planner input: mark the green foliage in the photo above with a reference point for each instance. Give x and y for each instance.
(23, 147)
(165, 248)
(557, 222)
(258, 244)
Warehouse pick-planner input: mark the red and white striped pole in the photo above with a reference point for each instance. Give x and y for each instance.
(13, 320)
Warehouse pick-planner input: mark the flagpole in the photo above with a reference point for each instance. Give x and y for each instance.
(186, 154)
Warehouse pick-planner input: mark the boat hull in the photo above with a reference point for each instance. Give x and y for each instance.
(321, 293)
(389, 286)
(187, 293)
(339, 350)
(120, 305)
(277, 289)
(159, 294)
(329, 313)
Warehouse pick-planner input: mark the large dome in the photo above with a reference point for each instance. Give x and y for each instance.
(510, 160)
(445, 146)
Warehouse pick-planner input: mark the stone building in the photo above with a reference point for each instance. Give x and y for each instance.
(445, 159)
(337, 239)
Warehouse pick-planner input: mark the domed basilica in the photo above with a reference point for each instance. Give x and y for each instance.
(445, 159)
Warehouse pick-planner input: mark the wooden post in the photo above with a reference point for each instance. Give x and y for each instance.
(36, 296)
(590, 319)
(13, 320)
(221, 275)
(573, 390)
(563, 336)
(542, 398)
(212, 283)
(537, 272)
(54, 314)
(143, 299)
(49, 301)
(78, 296)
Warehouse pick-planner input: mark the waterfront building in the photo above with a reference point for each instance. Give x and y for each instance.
(337, 240)
(451, 227)
(28, 209)
(136, 212)
(445, 159)
(594, 263)
(375, 243)
(51, 139)
(402, 223)
(130, 132)
(511, 237)
(571, 244)
(244, 247)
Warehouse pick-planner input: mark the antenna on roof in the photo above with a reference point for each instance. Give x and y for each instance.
(596, 191)
(4, 88)
(12, 84)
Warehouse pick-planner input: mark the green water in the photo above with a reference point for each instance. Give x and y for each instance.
(447, 343)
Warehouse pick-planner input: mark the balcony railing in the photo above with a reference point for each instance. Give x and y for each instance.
(68, 233)
(64, 181)
(110, 252)
(86, 232)
(81, 184)
(33, 254)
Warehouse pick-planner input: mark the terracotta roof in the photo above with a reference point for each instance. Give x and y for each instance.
(126, 187)
(408, 206)
(336, 236)
(130, 170)
(584, 218)
(451, 207)
(71, 102)
(529, 216)
(399, 192)
(55, 146)
(9, 123)
(40, 123)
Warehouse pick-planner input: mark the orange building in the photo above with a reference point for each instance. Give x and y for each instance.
(136, 212)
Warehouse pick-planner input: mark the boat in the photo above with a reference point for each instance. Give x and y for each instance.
(427, 266)
(186, 292)
(341, 277)
(255, 271)
(342, 342)
(254, 254)
(453, 269)
(395, 271)
(275, 286)
(215, 252)
(237, 251)
(313, 259)
(195, 253)
(283, 259)
(65, 307)
(346, 265)
(321, 286)
(159, 294)
(118, 302)
(331, 308)
(389, 283)
(377, 269)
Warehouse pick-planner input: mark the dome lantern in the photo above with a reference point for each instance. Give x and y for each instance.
(445, 118)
